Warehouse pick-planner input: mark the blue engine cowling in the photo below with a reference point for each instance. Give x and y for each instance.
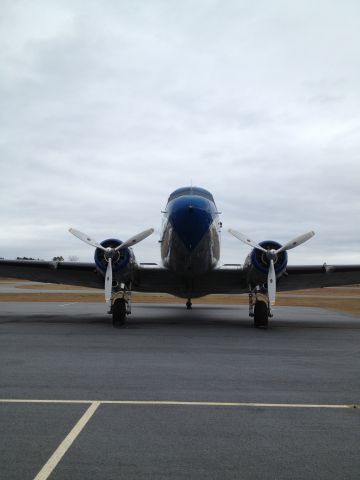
(120, 262)
(257, 262)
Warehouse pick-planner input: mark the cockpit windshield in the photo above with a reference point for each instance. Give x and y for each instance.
(201, 192)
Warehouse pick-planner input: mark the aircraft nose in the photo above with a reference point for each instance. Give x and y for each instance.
(191, 219)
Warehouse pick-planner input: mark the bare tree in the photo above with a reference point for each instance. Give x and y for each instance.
(73, 258)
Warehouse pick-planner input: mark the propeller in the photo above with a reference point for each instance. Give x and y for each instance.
(110, 252)
(272, 256)
(245, 239)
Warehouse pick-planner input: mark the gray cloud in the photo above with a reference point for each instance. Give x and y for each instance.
(107, 108)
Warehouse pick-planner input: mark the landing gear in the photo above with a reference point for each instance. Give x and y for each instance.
(119, 312)
(261, 315)
(120, 305)
(259, 308)
(189, 304)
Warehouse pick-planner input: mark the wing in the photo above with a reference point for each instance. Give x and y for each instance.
(69, 273)
(152, 278)
(315, 276)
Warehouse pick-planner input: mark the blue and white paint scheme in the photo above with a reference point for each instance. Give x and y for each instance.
(190, 238)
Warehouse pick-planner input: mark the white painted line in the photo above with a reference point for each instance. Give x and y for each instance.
(184, 403)
(66, 443)
(226, 404)
(67, 304)
(26, 400)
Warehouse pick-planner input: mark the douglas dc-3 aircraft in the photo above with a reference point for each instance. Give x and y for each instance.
(190, 252)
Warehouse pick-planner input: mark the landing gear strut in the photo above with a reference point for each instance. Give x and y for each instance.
(189, 304)
(259, 308)
(120, 306)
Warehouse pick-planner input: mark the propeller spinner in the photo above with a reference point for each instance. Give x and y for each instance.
(272, 256)
(110, 252)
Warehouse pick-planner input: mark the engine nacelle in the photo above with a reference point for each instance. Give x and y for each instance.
(121, 261)
(257, 263)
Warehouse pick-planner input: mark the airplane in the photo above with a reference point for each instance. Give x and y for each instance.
(190, 253)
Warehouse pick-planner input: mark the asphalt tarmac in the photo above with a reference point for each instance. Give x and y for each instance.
(178, 394)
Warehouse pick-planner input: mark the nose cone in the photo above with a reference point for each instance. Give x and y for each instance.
(190, 217)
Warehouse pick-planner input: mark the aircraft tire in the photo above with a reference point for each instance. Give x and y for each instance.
(119, 312)
(261, 315)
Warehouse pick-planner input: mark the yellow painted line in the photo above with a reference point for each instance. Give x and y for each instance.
(187, 403)
(66, 443)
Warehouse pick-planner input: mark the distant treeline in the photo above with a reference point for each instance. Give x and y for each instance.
(60, 258)
(27, 258)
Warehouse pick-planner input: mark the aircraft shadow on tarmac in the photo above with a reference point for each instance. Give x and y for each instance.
(215, 316)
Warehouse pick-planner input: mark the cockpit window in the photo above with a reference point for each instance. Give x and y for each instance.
(201, 192)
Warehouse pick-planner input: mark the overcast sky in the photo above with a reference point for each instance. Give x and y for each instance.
(107, 107)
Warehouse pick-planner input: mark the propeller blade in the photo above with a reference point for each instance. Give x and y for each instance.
(248, 241)
(108, 281)
(135, 239)
(296, 242)
(85, 238)
(271, 283)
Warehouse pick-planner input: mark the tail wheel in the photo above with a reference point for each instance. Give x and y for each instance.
(261, 315)
(119, 312)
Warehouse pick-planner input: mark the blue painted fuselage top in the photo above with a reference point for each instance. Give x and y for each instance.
(190, 239)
